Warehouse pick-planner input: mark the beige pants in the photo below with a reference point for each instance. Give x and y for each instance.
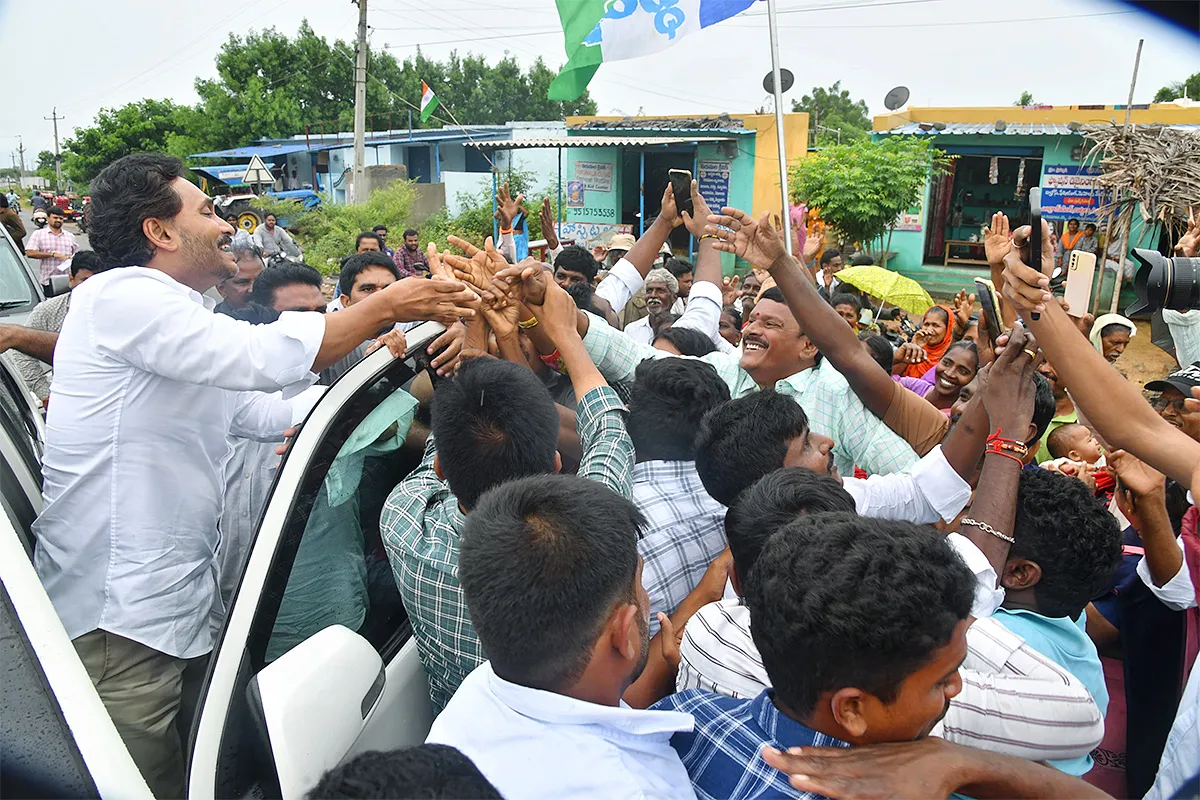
(141, 689)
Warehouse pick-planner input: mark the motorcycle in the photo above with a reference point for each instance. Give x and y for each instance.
(39, 217)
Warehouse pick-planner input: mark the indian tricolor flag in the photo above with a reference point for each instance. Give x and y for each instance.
(596, 31)
(429, 102)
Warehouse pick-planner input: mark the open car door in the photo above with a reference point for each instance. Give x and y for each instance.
(316, 661)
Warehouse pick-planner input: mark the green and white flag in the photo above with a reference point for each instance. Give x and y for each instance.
(429, 102)
(595, 31)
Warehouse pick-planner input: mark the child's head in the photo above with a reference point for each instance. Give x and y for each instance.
(1074, 441)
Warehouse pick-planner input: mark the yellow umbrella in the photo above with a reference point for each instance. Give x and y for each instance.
(888, 287)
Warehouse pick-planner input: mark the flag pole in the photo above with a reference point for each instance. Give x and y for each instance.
(785, 210)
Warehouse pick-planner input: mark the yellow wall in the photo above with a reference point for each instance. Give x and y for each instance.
(1164, 113)
(766, 149)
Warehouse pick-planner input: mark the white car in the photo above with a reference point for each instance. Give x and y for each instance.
(260, 729)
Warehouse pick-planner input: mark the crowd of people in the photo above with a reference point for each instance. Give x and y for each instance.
(671, 534)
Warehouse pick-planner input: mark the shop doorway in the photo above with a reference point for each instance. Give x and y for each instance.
(963, 200)
(657, 166)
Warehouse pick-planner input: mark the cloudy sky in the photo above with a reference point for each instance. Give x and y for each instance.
(948, 52)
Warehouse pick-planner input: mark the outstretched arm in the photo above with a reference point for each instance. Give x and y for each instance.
(34, 343)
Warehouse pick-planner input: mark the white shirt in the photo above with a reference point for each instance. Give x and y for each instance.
(1181, 755)
(1013, 699)
(148, 383)
(930, 490)
(640, 331)
(703, 312)
(534, 744)
(1176, 594)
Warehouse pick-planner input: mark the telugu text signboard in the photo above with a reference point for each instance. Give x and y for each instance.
(712, 179)
(596, 176)
(584, 233)
(1071, 193)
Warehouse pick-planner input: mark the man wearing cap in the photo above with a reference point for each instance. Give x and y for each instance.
(1173, 390)
(633, 307)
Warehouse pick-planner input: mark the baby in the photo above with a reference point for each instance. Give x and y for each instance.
(1074, 443)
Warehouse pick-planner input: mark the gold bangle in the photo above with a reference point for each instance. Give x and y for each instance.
(527, 324)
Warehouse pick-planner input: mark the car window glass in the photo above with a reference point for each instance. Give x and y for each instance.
(16, 417)
(17, 292)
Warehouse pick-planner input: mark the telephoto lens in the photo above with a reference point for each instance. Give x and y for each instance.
(1163, 282)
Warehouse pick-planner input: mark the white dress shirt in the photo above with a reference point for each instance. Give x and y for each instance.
(534, 744)
(1176, 594)
(1013, 700)
(640, 331)
(703, 311)
(930, 490)
(148, 383)
(1181, 755)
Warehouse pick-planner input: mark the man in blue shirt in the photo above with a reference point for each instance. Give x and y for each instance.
(861, 624)
(1067, 548)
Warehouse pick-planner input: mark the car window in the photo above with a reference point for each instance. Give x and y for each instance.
(18, 295)
(330, 566)
(16, 416)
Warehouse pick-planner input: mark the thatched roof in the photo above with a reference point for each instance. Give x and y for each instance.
(1154, 167)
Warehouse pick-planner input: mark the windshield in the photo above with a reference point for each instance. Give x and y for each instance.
(18, 295)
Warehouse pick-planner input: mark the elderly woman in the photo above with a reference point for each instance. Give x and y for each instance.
(1111, 334)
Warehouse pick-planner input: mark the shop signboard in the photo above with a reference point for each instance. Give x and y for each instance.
(712, 178)
(575, 196)
(596, 176)
(1070, 193)
(911, 218)
(583, 233)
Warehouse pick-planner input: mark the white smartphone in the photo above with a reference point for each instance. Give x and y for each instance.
(1081, 270)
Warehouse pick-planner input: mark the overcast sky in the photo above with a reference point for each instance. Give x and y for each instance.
(948, 52)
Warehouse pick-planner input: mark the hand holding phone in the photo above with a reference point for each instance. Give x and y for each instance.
(989, 301)
(681, 187)
(1035, 233)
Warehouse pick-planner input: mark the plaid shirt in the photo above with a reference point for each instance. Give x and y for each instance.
(834, 410)
(410, 262)
(421, 524)
(62, 244)
(685, 531)
(722, 753)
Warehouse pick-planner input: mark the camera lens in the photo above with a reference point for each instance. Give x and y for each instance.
(1163, 282)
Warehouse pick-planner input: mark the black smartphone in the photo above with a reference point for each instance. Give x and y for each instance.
(985, 290)
(681, 185)
(1035, 233)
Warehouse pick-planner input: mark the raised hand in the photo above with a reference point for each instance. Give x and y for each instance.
(525, 282)
(909, 353)
(738, 233)
(1009, 389)
(393, 340)
(479, 266)
(697, 221)
(812, 246)
(507, 206)
(997, 239)
(963, 305)
(729, 290)
(1027, 288)
(438, 270)
(500, 312)
(546, 215)
(444, 300)
(1189, 243)
(669, 212)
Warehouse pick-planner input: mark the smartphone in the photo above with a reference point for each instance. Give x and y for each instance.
(985, 290)
(681, 185)
(1081, 270)
(1035, 233)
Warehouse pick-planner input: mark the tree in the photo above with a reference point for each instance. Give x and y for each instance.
(144, 126)
(1026, 99)
(861, 188)
(1174, 91)
(45, 166)
(834, 108)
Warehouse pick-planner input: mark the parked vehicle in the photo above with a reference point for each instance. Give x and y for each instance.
(20, 290)
(264, 726)
(39, 217)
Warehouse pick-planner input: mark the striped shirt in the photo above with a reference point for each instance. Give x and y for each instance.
(1014, 700)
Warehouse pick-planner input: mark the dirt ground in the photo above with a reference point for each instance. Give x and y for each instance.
(1142, 361)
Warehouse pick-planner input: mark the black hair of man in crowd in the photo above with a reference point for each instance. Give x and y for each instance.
(574, 265)
(686, 341)
(86, 260)
(358, 240)
(427, 771)
(353, 266)
(284, 273)
(668, 398)
(879, 348)
(683, 270)
(547, 564)
(493, 421)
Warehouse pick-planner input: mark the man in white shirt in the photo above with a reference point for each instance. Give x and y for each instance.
(274, 239)
(552, 579)
(661, 290)
(148, 384)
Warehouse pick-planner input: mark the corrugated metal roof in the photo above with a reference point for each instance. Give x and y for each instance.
(721, 122)
(1011, 129)
(261, 150)
(605, 141)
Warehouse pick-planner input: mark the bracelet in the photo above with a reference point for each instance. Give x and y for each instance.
(1001, 446)
(527, 324)
(505, 231)
(983, 526)
(709, 236)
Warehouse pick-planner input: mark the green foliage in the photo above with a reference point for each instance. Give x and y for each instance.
(144, 126)
(327, 232)
(474, 220)
(861, 188)
(834, 108)
(1177, 89)
(1026, 99)
(45, 165)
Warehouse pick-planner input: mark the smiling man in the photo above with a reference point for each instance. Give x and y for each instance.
(661, 290)
(235, 291)
(148, 384)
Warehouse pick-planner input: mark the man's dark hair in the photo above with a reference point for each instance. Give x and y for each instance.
(839, 600)
(880, 349)
(735, 313)
(86, 259)
(251, 312)
(1065, 530)
(861, 260)
(829, 255)
(379, 228)
(543, 561)
(774, 501)
(410, 232)
(584, 296)
(56, 209)
(662, 322)
(669, 397)
(353, 266)
(270, 214)
(425, 772)
(493, 421)
(1113, 327)
(744, 439)
(1043, 407)
(774, 293)
(574, 258)
(679, 267)
(126, 193)
(3, 200)
(368, 235)
(687, 341)
(845, 299)
(284, 273)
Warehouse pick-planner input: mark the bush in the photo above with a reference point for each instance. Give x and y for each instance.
(474, 221)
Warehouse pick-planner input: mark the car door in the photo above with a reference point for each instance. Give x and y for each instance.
(316, 661)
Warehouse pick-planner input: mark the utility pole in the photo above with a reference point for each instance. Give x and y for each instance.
(57, 158)
(21, 150)
(359, 187)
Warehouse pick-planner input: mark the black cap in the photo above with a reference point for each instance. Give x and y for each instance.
(1184, 380)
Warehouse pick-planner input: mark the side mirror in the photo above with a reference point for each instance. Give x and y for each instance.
(313, 701)
(59, 284)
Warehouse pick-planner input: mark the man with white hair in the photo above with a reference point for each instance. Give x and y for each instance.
(661, 290)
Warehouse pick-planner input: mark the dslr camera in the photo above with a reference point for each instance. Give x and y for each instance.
(1163, 282)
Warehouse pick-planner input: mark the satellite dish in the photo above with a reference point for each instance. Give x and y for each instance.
(786, 78)
(896, 98)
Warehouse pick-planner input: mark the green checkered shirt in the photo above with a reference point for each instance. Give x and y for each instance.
(421, 524)
(833, 409)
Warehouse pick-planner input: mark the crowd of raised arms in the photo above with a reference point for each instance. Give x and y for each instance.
(670, 534)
